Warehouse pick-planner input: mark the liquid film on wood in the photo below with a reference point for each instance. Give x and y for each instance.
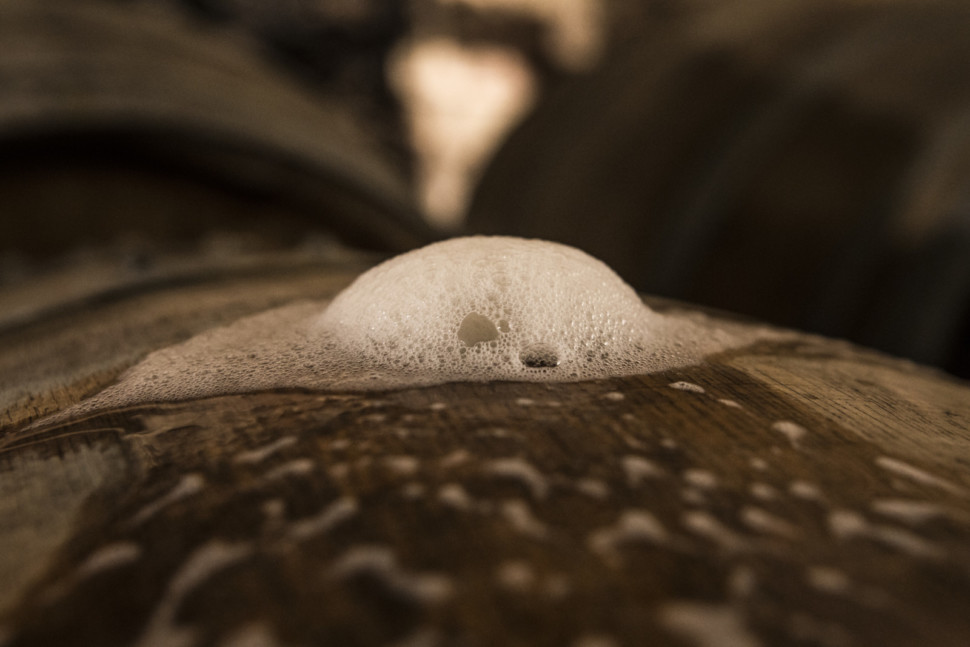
(467, 309)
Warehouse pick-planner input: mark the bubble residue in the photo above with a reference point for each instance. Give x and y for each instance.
(467, 309)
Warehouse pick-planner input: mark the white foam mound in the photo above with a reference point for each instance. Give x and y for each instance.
(494, 308)
(467, 309)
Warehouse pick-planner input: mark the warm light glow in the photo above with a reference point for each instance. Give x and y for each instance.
(460, 102)
(576, 27)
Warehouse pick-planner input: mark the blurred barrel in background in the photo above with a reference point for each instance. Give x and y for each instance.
(152, 121)
(802, 162)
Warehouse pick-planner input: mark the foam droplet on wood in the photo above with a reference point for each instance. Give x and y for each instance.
(466, 309)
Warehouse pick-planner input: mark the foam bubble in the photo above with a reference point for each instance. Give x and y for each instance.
(492, 309)
(467, 309)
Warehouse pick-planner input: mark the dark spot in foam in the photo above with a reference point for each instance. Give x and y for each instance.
(539, 356)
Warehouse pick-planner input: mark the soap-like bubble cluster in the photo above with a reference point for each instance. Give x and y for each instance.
(467, 309)
(492, 308)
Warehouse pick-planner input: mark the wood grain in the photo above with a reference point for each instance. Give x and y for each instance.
(781, 494)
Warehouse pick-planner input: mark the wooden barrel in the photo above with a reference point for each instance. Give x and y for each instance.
(797, 492)
(802, 162)
(137, 120)
(786, 493)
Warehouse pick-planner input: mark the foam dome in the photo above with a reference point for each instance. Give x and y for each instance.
(483, 308)
(466, 309)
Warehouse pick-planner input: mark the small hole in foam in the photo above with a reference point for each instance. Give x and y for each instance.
(539, 356)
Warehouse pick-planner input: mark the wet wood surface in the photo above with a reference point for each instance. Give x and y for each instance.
(805, 493)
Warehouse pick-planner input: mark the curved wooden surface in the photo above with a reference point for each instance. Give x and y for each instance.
(806, 493)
